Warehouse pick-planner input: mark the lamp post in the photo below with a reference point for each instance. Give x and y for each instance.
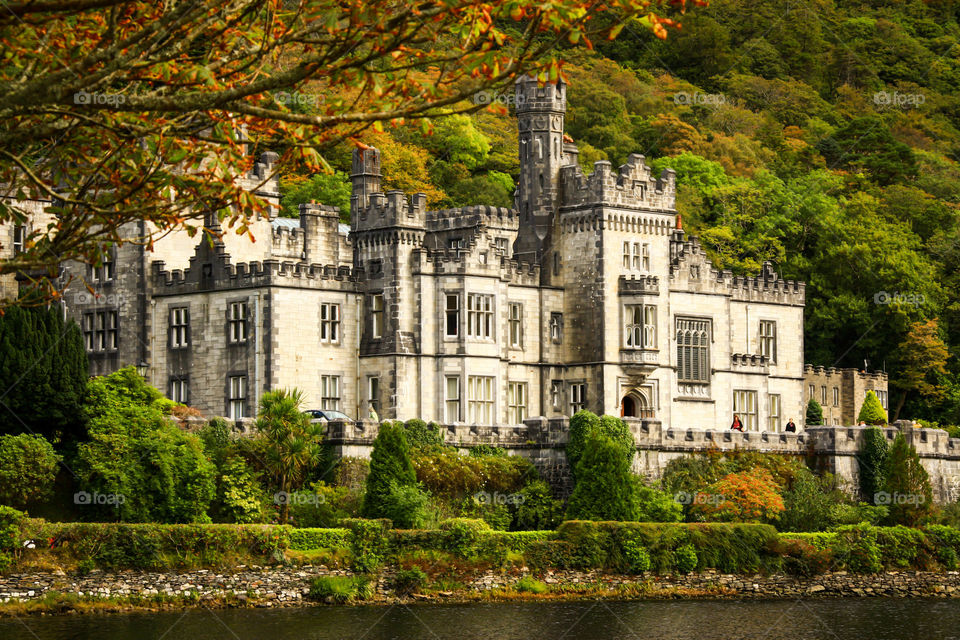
(142, 368)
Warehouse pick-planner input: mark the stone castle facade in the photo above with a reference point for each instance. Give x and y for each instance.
(587, 294)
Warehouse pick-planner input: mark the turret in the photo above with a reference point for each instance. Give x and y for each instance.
(365, 177)
(540, 112)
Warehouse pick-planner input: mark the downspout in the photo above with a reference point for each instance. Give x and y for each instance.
(257, 319)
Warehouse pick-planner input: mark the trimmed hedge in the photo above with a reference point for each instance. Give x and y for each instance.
(731, 548)
(157, 546)
(316, 538)
(622, 547)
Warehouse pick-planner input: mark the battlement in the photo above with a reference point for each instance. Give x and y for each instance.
(244, 275)
(633, 187)
(390, 209)
(472, 216)
(810, 370)
(639, 285)
(467, 260)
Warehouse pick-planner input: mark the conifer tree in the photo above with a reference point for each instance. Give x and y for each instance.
(43, 373)
(814, 413)
(604, 488)
(390, 469)
(906, 487)
(872, 411)
(870, 459)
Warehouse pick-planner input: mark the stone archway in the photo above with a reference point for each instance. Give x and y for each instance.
(634, 404)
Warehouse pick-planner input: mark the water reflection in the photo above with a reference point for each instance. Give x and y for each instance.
(861, 619)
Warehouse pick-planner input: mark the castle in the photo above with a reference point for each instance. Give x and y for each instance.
(588, 294)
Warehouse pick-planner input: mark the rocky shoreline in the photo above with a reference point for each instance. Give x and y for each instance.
(289, 586)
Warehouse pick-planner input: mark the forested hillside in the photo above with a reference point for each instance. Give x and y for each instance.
(822, 136)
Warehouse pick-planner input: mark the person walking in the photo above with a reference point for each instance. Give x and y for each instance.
(737, 425)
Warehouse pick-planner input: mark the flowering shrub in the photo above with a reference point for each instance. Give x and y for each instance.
(750, 496)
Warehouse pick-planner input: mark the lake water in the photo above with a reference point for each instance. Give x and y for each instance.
(849, 619)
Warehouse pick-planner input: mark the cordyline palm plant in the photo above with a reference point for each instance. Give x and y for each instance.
(292, 443)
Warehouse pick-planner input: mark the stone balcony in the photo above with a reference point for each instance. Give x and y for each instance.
(636, 286)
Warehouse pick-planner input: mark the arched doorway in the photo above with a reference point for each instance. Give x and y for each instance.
(634, 405)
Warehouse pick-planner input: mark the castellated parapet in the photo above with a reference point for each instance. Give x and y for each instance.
(690, 267)
(472, 216)
(467, 261)
(390, 209)
(247, 275)
(633, 187)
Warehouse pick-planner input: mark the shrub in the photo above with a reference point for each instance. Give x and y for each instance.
(548, 554)
(604, 487)
(800, 558)
(421, 435)
(857, 549)
(408, 581)
(324, 506)
(637, 557)
(685, 558)
(407, 506)
(351, 472)
(653, 505)
(814, 413)
(339, 589)
(498, 516)
(28, 467)
(808, 503)
(870, 460)
(448, 474)
(240, 497)
(906, 484)
(750, 496)
(462, 535)
(482, 450)
(871, 412)
(10, 522)
(390, 469)
(841, 514)
(215, 436)
(369, 543)
(537, 509)
(528, 584)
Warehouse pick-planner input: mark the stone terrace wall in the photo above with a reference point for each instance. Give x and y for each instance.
(543, 440)
(287, 586)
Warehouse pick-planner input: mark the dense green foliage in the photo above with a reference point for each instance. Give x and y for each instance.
(870, 459)
(11, 522)
(391, 485)
(421, 435)
(43, 373)
(604, 487)
(28, 466)
(906, 486)
(138, 466)
(583, 424)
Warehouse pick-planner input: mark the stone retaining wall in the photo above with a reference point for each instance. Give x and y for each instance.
(288, 586)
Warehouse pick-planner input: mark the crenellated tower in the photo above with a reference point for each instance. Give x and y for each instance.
(540, 113)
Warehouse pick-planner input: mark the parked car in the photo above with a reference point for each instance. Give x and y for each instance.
(326, 415)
